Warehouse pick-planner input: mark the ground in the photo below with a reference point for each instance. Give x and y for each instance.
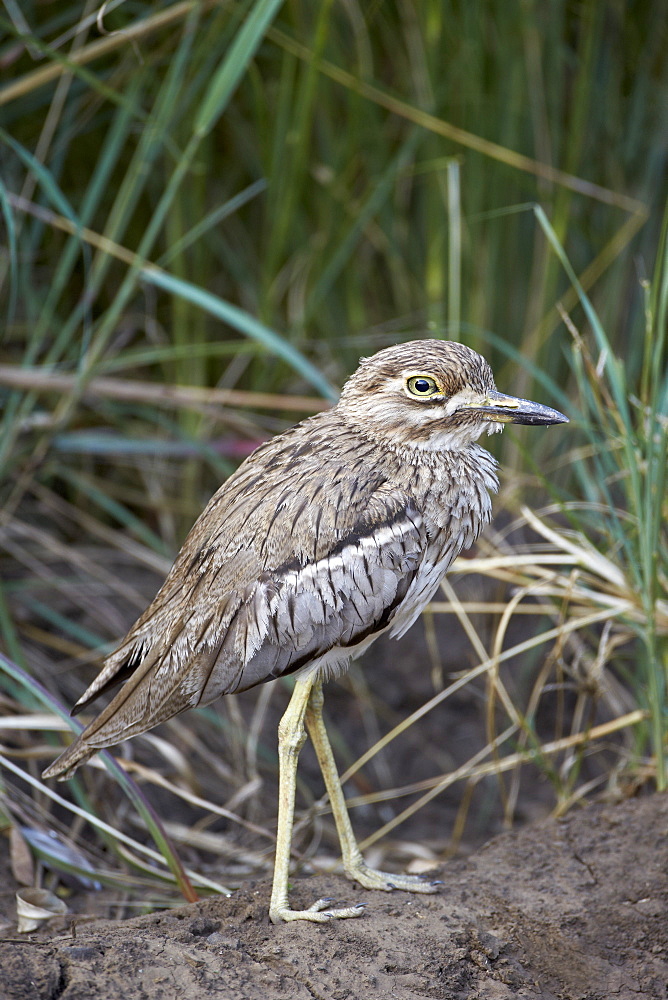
(574, 909)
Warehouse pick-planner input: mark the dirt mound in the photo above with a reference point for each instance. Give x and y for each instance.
(576, 908)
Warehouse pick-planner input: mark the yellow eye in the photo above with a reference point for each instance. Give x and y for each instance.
(422, 386)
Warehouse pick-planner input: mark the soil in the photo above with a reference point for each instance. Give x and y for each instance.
(572, 908)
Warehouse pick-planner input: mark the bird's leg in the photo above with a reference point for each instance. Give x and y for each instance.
(354, 864)
(291, 736)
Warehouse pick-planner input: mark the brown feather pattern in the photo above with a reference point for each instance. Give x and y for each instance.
(331, 533)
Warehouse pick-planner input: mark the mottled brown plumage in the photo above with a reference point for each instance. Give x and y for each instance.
(337, 530)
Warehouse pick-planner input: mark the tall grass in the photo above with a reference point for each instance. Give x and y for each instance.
(624, 417)
(210, 211)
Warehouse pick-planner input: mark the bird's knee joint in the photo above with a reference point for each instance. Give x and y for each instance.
(290, 741)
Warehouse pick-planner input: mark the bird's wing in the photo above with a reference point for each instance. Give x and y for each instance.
(299, 613)
(291, 504)
(222, 640)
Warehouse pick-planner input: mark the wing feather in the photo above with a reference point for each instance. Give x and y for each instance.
(286, 619)
(334, 603)
(245, 602)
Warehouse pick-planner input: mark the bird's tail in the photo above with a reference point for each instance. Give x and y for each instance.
(64, 766)
(141, 703)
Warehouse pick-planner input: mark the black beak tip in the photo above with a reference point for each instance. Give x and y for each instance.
(514, 410)
(542, 418)
(537, 415)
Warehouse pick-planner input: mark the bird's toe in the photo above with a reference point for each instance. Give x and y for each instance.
(319, 912)
(370, 878)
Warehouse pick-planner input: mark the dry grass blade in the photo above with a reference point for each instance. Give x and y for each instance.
(474, 771)
(581, 622)
(152, 777)
(99, 824)
(187, 396)
(175, 13)
(462, 137)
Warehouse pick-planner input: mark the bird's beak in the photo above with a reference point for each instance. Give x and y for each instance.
(513, 410)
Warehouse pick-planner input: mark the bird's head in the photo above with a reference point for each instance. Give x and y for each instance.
(433, 395)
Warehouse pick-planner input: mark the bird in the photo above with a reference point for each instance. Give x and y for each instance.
(330, 534)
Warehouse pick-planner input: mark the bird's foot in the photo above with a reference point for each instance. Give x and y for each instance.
(320, 912)
(370, 878)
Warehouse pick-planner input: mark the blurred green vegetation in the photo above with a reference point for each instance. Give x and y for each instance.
(349, 176)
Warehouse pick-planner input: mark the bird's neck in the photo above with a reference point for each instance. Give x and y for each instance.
(440, 451)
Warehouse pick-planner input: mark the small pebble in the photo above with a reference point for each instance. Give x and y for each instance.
(218, 940)
(81, 952)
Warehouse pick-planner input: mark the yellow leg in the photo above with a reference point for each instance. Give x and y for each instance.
(354, 864)
(291, 736)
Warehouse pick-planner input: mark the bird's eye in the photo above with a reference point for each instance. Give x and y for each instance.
(422, 386)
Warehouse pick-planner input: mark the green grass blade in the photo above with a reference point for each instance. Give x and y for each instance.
(131, 789)
(244, 323)
(236, 61)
